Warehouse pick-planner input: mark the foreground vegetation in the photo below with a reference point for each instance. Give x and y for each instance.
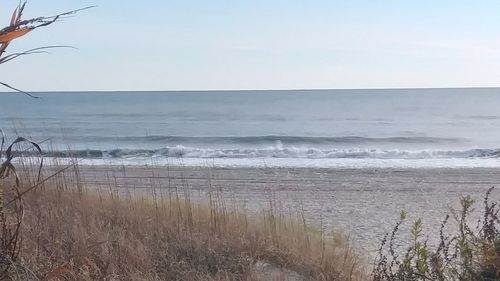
(69, 232)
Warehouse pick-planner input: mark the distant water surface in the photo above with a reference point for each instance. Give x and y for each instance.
(306, 128)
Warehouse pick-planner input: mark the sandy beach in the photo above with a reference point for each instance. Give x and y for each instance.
(363, 202)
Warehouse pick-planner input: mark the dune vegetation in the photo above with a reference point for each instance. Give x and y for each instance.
(64, 230)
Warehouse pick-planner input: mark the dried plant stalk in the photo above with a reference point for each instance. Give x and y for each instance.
(19, 27)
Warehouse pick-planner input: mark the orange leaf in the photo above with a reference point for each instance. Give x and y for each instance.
(9, 36)
(14, 17)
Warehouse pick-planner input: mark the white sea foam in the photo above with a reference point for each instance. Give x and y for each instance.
(340, 163)
(281, 151)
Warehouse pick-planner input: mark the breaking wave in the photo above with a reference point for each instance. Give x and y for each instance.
(278, 151)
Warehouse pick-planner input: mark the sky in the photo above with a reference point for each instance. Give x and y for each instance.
(259, 44)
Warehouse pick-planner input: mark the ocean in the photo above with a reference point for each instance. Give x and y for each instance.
(415, 128)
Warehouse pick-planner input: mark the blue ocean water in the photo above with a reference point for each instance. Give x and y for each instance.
(312, 128)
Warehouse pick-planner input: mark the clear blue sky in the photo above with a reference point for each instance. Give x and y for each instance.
(231, 44)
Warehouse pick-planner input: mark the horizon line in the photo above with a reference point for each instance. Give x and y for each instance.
(257, 90)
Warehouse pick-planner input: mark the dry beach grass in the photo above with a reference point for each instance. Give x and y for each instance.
(70, 232)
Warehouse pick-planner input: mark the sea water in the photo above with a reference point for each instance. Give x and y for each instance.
(300, 128)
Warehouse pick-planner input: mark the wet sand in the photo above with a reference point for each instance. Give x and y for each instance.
(363, 202)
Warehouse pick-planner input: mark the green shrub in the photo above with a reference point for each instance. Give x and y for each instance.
(470, 253)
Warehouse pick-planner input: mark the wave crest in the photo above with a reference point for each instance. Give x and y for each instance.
(279, 151)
